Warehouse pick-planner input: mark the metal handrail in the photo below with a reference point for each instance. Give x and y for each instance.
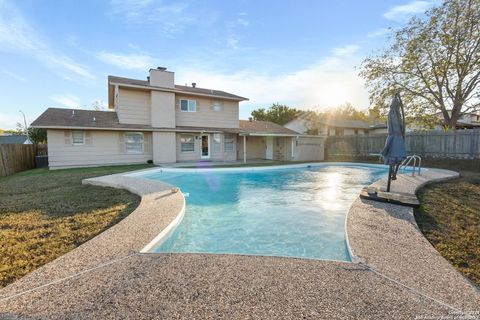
(407, 162)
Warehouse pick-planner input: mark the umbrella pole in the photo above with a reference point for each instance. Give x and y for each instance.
(390, 171)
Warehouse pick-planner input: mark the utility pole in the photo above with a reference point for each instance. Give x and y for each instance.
(25, 124)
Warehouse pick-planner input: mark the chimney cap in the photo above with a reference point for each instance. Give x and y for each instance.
(161, 68)
(194, 84)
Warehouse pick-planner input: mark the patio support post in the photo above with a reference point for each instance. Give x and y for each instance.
(244, 149)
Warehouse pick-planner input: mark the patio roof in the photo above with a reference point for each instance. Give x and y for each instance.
(265, 128)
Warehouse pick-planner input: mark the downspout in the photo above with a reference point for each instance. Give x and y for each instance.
(115, 97)
(244, 149)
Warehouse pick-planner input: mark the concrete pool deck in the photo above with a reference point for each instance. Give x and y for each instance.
(399, 274)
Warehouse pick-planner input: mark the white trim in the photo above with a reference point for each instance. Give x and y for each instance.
(234, 149)
(83, 138)
(188, 105)
(208, 156)
(261, 168)
(125, 143)
(178, 91)
(167, 231)
(193, 142)
(136, 129)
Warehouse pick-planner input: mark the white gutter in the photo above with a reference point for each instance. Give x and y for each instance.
(128, 129)
(279, 135)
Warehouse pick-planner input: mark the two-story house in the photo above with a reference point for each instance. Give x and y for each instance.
(157, 120)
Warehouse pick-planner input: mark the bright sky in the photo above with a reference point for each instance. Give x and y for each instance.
(301, 53)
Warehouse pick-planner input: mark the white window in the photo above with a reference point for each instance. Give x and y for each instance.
(228, 141)
(188, 105)
(217, 143)
(134, 142)
(187, 143)
(78, 138)
(217, 106)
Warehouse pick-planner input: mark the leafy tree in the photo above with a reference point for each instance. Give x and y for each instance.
(11, 132)
(434, 62)
(37, 135)
(344, 112)
(315, 120)
(277, 113)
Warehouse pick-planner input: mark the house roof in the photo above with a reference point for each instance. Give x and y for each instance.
(13, 139)
(356, 124)
(178, 88)
(338, 123)
(77, 118)
(58, 118)
(264, 127)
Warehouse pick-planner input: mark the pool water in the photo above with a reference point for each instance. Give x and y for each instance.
(292, 212)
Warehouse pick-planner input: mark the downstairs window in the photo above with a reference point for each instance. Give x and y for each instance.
(134, 142)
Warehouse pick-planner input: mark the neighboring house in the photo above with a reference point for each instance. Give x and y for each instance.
(469, 121)
(15, 139)
(156, 120)
(335, 127)
(466, 121)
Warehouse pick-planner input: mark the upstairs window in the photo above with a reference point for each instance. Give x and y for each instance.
(78, 138)
(134, 142)
(228, 142)
(217, 106)
(188, 105)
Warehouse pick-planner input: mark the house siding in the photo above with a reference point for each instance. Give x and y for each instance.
(164, 144)
(101, 148)
(281, 148)
(162, 109)
(205, 116)
(134, 107)
(256, 148)
(309, 149)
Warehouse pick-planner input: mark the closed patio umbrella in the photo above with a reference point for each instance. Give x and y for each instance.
(393, 153)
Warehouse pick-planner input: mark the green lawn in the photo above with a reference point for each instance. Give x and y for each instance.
(449, 217)
(44, 214)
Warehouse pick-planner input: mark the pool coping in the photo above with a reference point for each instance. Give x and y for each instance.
(162, 237)
(155, 195)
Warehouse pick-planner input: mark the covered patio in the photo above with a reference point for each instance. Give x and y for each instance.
(273, 142)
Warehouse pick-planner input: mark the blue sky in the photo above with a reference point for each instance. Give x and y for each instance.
(300, 53)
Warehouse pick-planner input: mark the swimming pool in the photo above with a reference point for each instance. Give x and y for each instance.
(292, 212)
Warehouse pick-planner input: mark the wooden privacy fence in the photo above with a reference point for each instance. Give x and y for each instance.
(16, 157)
(458, 144)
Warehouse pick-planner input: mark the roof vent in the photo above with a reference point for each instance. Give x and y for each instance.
(161, 68)
(194, 84)
(148, 78)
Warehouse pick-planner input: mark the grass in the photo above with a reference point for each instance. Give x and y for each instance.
(44, 214)
(449, 217)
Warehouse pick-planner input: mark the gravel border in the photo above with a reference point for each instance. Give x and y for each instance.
(387, 239)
